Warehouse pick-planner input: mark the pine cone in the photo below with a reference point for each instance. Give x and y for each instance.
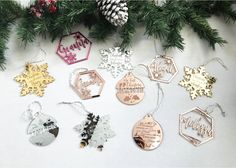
(115, 11)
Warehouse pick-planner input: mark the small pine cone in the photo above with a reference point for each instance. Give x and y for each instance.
(115, 11)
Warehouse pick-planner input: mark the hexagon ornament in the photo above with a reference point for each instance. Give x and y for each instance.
(87, 83)
(74, 48)
(196, 126)
(162, 69)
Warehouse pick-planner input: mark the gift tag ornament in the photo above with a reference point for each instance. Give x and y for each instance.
(115, 60)
(147, 133)
(95, 130)
(197, 125)
(197, 81)
(74, 48)
(162, 69)
(87, 83)
(34, 79)
(130, 89)
(42, 128)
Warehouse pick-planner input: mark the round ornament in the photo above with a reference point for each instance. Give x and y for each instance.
(147, 133)
(130, 89)
(42, 130)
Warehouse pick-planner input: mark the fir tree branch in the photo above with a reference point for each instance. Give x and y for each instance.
(203, 29)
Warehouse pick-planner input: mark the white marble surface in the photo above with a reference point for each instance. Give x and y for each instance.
(17, 152)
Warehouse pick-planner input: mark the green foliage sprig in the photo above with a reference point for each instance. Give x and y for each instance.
(163, 22)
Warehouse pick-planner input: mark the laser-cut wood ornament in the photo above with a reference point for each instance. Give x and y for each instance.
(197, 81)
(130, 89)
(34, 79)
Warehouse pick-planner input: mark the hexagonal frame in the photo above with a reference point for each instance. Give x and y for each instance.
(66, 51)
(191, 139)
(152, 77)
(98, 79)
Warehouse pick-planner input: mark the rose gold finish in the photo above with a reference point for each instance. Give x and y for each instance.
(162, 69)
(130, 89)
(86, 81)
(196, 126)
(147, 133)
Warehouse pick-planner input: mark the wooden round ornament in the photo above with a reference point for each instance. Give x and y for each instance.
(147, 133)
(130, 89)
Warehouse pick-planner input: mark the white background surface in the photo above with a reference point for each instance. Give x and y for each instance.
(17, 152)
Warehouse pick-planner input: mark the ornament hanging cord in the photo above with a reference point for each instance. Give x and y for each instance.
(160, 98)
(217, 59)
(77, 105)
(29, 114)
(210, 109)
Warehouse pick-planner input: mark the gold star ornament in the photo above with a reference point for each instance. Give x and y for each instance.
(34, 79)
(197, 81)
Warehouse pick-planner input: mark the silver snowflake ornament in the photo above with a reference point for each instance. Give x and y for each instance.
(116, 60)
(95, 131)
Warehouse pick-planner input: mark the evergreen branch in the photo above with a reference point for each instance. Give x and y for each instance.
(203, 29)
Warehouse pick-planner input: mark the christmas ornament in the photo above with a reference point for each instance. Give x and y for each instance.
(95, 130)
(115, 11)
(147, 133)
(34, 79)
(74, 48)
(197, 125)
(42, 128)
(115, 60)
(197, 81)
(162, 69)
(87, 83)
(42, 6)
(130, 89)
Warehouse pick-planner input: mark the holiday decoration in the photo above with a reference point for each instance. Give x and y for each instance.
(88, 84)
(130, 90)
(162, 69)
(42, 128)
(42, 6)
(164, 22)
(147, 133)
(115, 11)
(95, 131)
(115, 60)
(196, 126)
(34, 79)
(74, 48)
(198, 82)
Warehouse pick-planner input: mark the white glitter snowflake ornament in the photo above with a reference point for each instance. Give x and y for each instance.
(95, 131)
(115, 60)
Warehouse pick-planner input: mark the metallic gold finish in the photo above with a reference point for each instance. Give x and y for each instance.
(198, 82)
(147, 133)
(34, 79)
(130, 89)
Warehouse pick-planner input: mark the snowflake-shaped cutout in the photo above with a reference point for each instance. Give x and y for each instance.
(115, 60)
(95, 131)
(34, 79)
(198, 82)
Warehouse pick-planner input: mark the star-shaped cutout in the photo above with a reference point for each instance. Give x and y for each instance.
(115, 60)
(198, 82)
(34, 79)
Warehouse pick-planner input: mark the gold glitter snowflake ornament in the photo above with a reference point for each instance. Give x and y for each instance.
(198, 82)
(34, 79)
